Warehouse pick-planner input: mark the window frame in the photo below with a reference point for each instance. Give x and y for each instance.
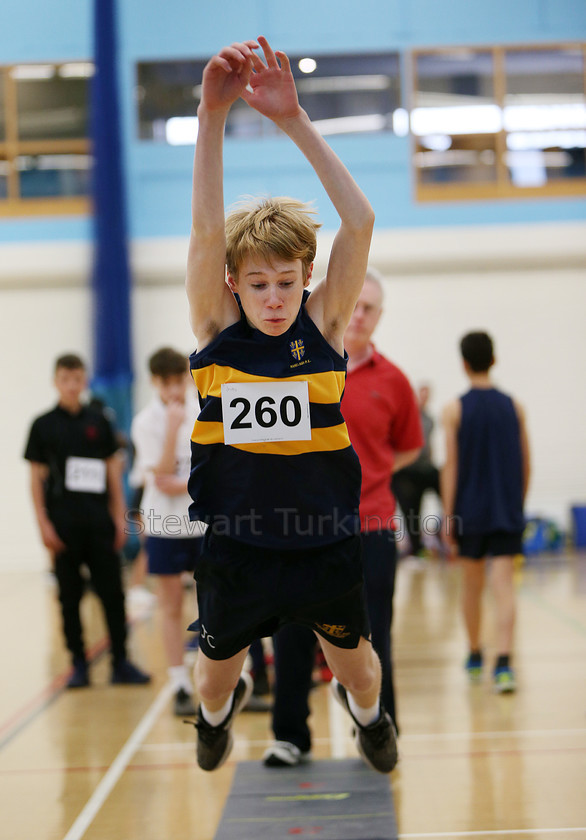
(502, 187)
(266, 129)
(11, 148)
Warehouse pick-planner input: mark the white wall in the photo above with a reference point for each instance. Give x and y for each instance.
(527, 286)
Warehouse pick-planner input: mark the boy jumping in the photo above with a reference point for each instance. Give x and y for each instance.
(273, 470)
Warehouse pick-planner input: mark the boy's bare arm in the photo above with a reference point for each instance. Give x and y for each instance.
(50, 537)
(211, 304)
(274, 95)
(405, 458)
(116, 500)
(449, 472)
(166, 463)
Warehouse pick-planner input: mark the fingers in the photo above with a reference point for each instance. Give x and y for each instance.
(236, 56)
(268, 51)
(257, 63)
(241, 54)
(285, 63)
(218, 61)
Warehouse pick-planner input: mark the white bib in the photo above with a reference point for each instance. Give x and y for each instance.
(85, 475)
(259, 412)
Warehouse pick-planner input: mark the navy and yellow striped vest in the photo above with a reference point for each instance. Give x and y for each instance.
(284, 494)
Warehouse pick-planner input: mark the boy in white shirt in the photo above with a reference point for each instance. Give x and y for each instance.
(161, 434)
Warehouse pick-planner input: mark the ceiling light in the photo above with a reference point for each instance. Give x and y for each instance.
(307, 65)
(30, 72)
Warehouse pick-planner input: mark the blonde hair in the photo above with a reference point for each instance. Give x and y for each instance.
(271, 227)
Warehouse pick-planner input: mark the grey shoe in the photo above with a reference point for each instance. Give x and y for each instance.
(257, 704)
(214, 743)
(183, 703)
(284, 754)
(377, 742)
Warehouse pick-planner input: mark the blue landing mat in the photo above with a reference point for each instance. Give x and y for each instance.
(327, 800)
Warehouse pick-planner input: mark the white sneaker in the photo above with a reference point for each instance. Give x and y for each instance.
(284, 754)
(141, 595)
(140, 600)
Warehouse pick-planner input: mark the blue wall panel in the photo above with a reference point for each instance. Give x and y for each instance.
(344, 25)
(187, 28)
(566, 18)
(45, 30)
(159, 176)
(40, 229)
(472, 21)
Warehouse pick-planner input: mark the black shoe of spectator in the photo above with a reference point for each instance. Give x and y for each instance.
(79, 676)
(125, 673)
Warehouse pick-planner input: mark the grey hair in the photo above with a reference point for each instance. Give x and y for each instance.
(374, 275)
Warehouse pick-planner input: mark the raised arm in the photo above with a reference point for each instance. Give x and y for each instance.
(211, 304)
(273, 94)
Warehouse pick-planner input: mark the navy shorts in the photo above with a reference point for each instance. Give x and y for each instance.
(494, 544)
(171, 556)
(245, 592)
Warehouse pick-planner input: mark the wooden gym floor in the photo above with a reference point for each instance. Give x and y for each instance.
(112, 763)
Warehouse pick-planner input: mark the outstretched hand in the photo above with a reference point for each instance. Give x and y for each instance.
(226, 75)
(271, 89)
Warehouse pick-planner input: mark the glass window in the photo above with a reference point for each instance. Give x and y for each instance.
(455, 118)
(2, 106)
(52, 107)
(50, 176)
(342, 94)
(495, 122)
(4, 169)
(44, 114)
(544, 115)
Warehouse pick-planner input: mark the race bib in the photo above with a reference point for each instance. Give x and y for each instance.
(259, 412)
(85, 475)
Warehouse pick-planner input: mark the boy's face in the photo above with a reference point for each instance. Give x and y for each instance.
(171, 388)
(70, 384)
(270, 294)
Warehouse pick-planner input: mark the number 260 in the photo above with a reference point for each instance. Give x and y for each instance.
(264, 414)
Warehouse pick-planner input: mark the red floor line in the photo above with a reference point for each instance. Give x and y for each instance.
(41, 699)
(57, 684)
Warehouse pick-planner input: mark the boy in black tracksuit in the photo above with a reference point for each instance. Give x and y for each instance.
(79, 506)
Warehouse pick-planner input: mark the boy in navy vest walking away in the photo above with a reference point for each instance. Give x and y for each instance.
(484, 484)
(273, 471)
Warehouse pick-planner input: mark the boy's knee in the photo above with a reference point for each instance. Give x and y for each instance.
(213, 683)
(360, 676)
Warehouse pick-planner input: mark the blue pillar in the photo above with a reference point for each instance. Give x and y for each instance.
(111, 272)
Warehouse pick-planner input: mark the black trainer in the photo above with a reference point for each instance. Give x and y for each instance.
(214, 743)
(125, 673)
(377, 742)
(79, 677)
